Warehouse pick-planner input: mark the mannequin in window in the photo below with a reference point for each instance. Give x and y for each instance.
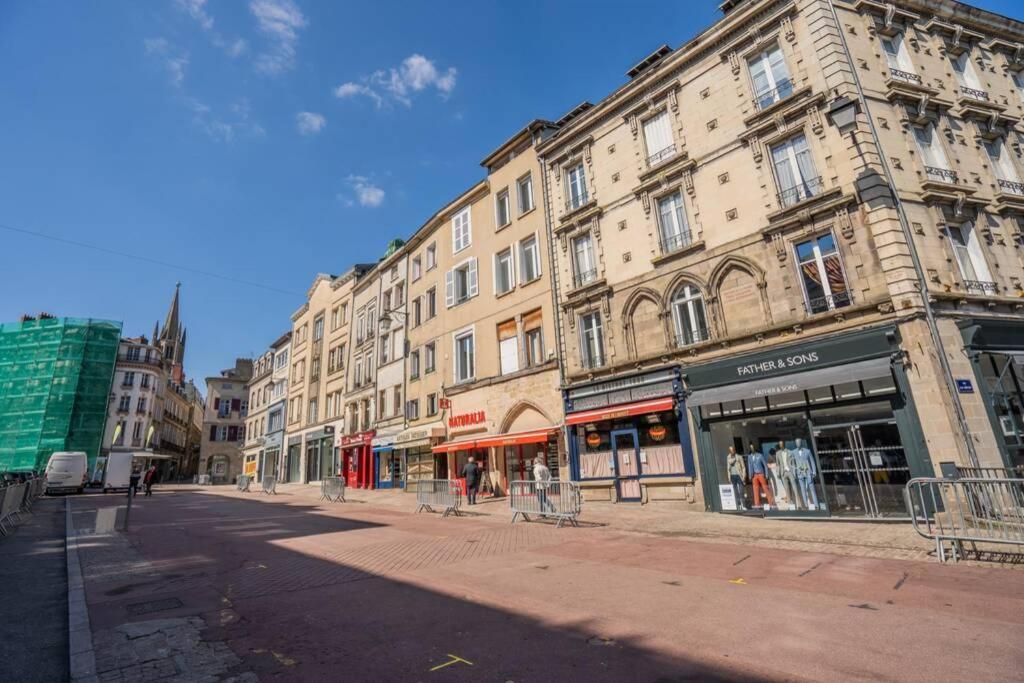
(775, 478)
(757, 466)
(787, 474)
(736, 466)
(806, 471)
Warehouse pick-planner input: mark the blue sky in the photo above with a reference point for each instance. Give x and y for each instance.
(268, 140)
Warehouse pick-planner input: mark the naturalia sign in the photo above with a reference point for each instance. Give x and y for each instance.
(467, 419)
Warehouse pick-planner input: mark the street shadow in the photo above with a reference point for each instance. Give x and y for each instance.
(292, 614)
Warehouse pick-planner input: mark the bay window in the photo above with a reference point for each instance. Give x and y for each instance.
(794, 171)
(821, 273)
(672, 226)
(689, 316)
(591, 340)
(770, 77)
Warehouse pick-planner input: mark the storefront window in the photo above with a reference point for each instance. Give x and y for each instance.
(657, 439)
(419, 464)
(1004, 378)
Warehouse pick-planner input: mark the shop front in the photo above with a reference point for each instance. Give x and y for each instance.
(387, 464)
(628, 438)
(996, 350)
(293, 464)
(412, 447)
(320, 454)
(270, 455)
(822, 428)
(356, 456)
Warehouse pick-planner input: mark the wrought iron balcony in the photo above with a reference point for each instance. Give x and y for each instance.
(806, 189)
(689, 337)
(1011, 186)
(907, 76)
(980, 286)
(574, 202)
(661, 155)
(675, 242)
(583, 277)
(828, 303)
(974, 93)
(591, 362)
(941, 174)
(763, 100)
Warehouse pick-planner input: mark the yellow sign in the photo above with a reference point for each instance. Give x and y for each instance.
(250, 465)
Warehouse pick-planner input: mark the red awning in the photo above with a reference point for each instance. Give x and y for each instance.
(612, 412)
(456, 445)
(517, 438)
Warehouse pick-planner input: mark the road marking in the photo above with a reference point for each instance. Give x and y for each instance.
(740, 560)
(455, 659)
(738, 582)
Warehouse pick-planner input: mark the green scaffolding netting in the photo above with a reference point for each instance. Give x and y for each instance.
(55, 376)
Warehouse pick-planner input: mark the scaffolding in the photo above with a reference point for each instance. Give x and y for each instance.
(55, 376)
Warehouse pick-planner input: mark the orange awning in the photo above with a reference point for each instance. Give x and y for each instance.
(517, 438)
(613, 412)
(456, 445)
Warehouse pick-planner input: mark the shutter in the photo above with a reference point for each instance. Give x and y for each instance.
(509, 349)
(232, 433)
(449, 289)
(511, 269)
(236, 404)
(494, 273)
(213, 432)
(473, 288)
(216, 404)
(657, 133)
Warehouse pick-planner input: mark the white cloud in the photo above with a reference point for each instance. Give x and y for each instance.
(310, 123)
(415, 74)
(280, 21)
(197, 10)
(366, 193)
(174, 61)
(225, 128)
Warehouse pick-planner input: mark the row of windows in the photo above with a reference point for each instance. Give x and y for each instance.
(121, 431)
(124, 404)
(227, 432)
(145, 379)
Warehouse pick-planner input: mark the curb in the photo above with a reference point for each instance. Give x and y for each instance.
(81, 658)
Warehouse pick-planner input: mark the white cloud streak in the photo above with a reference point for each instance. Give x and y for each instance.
(196, 9)
(415, 74)
(309, 123)
(174, 61)
(279, 21)
(365, 192)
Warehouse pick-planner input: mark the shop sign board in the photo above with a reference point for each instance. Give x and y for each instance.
(614, 398)
(661, 378)
(467, 419)
(727, 494)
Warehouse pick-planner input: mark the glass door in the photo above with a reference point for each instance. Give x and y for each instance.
(626, 452)
(863, 468)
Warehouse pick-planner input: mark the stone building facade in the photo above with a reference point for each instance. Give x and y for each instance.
(227, 406)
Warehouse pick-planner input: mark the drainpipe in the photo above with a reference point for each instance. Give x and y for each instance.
(922, 283)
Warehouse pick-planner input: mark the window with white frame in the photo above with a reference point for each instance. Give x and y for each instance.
(429, 357)
(141, 407)
(412, 409)
(524, 193)
(969, 255)
(794, 171)
(431, 404)
(396, 395)
(125, 403)
(821, 273)
(533, 343)
(465, 358)
(335, 313)
(529, 260)
(417, 268)
(966, 76)
(508, 347)
(431, 303)
(318, 328)
(504, 272)
(672, 225)
(584, 263)
(591, 340)
(462, 231)
(502, 209)
(770, 77)
(658, 138)
(936, 165)
(898, 58)
(576, 186)
(688, 314)
(311, 416)
(1003, 168)
(430, 256)
(460, 283)
(385, 348)
(358, 376)
(414, 364)
(1018, 82)
(417, 311)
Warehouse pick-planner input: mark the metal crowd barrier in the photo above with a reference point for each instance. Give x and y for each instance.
(333, 489)
(270, 485)
(560, 500)
(990, 472)
(961, 512)
(243, 482)
(445, 494)
(202, 480)
(10, 506)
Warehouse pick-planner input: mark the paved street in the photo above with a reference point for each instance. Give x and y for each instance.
(243, 586)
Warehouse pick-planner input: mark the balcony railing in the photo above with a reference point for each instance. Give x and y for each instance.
(806, 189)
(585, 276)
(941, 174)
(128, 358)
(763, 100)
(590, 362)
(573, 203)
(1011, 186)
(907, 76)
(675, 242)
(127, 385)
(690, 337)
(829, 302)
(980, 286)
(661, 155)
(974, 93)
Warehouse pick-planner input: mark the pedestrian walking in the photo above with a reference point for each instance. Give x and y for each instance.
(150, 479)
(542, 475)
(133, 482)
(471, 472)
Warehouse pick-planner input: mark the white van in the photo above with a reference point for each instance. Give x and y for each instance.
(67, 471)
(119, 471)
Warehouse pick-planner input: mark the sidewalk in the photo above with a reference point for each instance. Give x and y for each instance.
(886, 540)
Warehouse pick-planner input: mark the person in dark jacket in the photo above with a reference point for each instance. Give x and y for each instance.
(149, 479)
(471, 471)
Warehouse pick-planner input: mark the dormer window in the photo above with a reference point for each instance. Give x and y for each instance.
(770, 77)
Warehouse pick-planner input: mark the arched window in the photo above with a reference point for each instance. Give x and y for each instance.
(691, 322)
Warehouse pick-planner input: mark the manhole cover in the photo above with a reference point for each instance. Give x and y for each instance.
(154, 606)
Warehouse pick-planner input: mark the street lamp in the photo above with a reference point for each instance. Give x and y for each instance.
(842, 114)
(385, 318)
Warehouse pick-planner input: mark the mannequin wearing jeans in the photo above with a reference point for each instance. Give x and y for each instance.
(758, 468)
(787, 473)
(737, 468)
(803, 463)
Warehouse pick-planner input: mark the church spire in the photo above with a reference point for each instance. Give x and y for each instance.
(171, 331)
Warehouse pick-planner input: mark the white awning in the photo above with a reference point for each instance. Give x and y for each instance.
(797, 381)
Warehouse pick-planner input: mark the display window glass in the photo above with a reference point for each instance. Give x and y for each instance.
(657, 444)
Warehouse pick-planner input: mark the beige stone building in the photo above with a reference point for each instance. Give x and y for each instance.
(264, 427)
(733, 272)
(482, 370)
(227, 406)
